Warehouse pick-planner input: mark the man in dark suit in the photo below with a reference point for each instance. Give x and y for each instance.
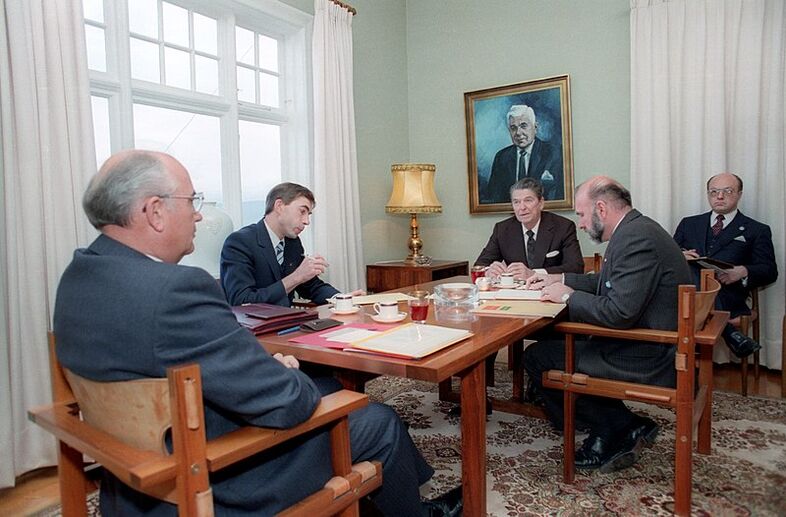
(264, 262)
(636, 287)
(528, 157)
(532, 240)
(125, 310)
(728, 235)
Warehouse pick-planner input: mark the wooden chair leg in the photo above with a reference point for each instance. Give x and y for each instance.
(569, 425)
(490, 370)
(704, 438)
(683, 462)
(783, 357)
(756, 369)
(73, 482)
(745, 323)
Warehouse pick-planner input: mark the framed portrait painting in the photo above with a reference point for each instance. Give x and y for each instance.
(517, 131)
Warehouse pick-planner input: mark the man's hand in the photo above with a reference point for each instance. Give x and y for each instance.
(735, 274)
(520, 271)
(287, 360)
(312, 265)
(690, 254)
(358, 292)
(554, 292)
(496, 268)
(539, 280)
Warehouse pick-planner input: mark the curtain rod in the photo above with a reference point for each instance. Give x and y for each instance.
(345, 6)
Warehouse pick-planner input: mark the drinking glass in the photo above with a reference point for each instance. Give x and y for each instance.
(418, 306)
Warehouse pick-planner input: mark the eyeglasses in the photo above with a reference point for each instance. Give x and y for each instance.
(196, 200)
(715, 192)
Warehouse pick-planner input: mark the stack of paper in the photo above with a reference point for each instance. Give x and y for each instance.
(520, 308)
(410, 341)
(380, 298)
(510, 294)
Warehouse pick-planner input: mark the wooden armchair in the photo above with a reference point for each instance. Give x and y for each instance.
(698, 326)
(592, 264)
(123, 427)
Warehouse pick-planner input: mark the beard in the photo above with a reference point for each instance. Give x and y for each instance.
(595, 231)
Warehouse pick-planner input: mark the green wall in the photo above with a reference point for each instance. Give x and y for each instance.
(413, 61)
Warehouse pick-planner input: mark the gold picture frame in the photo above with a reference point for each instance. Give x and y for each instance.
(493, 150)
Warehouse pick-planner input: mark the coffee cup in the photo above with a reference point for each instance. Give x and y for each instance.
(386, 310)
(506, 280)
(342, 302)
(483, 283)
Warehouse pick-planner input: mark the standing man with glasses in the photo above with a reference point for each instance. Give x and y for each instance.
(726, 234)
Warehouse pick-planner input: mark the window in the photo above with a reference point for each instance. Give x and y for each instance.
(219, 84)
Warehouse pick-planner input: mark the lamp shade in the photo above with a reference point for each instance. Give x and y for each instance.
(413, 189)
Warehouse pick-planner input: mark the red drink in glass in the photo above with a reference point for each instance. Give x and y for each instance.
(418, 313)
(477, 272)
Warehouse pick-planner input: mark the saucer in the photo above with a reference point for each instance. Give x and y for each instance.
(353, 310)
(379, 319)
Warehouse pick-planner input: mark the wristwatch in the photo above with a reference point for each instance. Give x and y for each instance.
(565, 297)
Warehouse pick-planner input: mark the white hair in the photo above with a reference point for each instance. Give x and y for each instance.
(521, 110)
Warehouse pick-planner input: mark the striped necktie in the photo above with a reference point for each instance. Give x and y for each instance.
(280, 252)
(530, 247)
(718, 226)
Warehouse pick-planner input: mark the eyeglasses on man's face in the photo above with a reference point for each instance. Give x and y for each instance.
(196, 200)
(715, 192)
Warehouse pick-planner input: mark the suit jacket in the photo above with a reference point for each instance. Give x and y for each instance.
(250, 272)
(744, 242)
(636, 287)
(120, 315)
(545, 157)
(555, 234)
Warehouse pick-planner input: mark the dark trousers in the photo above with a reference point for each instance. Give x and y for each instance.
(604, 417)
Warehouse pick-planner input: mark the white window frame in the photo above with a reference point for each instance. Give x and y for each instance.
(288, 25)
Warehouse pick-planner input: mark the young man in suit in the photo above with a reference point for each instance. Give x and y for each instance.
(728, 235)
(264, 262)
(531, 240)
(125, 310)
(636, 287)
(527, 157)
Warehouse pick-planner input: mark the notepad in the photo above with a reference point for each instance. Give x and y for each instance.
(410, 341)
(510, 294)
(710, 263)
(380, 298)
(519, 308)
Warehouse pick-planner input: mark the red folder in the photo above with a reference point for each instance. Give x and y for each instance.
(261, 318)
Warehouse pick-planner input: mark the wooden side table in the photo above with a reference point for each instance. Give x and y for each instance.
(384, 276)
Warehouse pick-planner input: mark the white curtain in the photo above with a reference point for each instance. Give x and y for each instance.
(708, 81)
(337, 222)
(47, 156)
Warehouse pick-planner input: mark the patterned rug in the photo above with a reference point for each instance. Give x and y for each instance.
(745, 475)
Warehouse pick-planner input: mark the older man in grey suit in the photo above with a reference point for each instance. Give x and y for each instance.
(125, 310)
(636, 287)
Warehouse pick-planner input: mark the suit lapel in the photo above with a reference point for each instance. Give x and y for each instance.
(534, 160)
(542, 243)
(268, 251)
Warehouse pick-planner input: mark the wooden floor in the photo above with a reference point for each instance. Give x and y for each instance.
(38, 489)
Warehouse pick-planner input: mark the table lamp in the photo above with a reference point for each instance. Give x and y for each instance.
(413, 194)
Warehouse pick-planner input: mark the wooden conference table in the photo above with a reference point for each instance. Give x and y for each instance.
(465, 360)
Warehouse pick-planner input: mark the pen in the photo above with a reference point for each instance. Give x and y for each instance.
(288, 331)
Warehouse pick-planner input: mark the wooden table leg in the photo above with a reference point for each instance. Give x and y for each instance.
(516, 355)
(473, 439)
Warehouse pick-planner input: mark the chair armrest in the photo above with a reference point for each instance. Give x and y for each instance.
(135, 467)
(713, 328)
(247, 441)
(635, 334)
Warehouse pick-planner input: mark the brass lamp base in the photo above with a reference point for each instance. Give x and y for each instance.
(415, 242)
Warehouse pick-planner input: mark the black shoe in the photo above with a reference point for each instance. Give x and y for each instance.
(532, 395)
(740, 344)
(456, 411)
(597, 453)
(449, 504)
(644, 429)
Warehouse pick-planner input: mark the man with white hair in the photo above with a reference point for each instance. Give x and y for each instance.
(527, 157)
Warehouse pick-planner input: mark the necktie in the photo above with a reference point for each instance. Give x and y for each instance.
(530, 247)
(718, 226)
(280, 252)
(522, 172)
